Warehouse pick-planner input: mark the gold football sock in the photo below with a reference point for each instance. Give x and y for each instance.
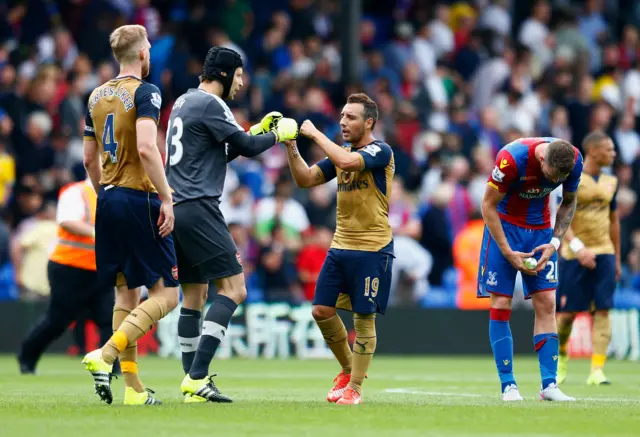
(363, 348)
(601, 336)
(335, 334)
(129, 356)
(564, 332)
(134, 326)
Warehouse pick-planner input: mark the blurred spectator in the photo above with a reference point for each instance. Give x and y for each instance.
(627, 200)
(627, 139)
(413, 262)
(496, 17)
(35, 154)
(237, 207)
(237, 19)
(7, 175)
(321, 206)
(438, 240)
(468, 58)
(316, 244)
(424, 52)
(594, 29)
(399, 51)
(277, 268)
(26, 200)
(247, 246)
(31, 253)
(487, 131)
(534, 32)
(282, 211)
(629, 47)
(440, 34)
(559, 124)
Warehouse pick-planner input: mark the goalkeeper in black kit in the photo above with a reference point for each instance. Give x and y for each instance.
(202, 137)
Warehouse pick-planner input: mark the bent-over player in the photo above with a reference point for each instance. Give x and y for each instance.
(134, 215)
(515, 208)
(202, 137)
(356, 275)
(590, 257)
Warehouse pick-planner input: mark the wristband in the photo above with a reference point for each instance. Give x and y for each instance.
(576, 245)
(555, 242)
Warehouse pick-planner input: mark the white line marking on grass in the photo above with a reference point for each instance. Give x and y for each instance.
(412, 391)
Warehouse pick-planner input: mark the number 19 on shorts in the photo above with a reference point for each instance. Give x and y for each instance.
(371, 286)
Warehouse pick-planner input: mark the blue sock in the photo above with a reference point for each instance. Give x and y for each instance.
(502, 345)
(547, 347)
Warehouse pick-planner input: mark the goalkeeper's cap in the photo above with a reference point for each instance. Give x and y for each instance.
(221, 64)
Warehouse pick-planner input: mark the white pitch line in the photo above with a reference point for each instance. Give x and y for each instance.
(430, 393)
(413, 391)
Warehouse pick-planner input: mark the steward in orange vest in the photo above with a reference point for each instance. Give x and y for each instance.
(74, 249)
(75, 290)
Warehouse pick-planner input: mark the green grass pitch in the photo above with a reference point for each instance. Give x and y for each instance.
(426, 396)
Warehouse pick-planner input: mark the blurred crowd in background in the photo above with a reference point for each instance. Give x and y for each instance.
(454, 82)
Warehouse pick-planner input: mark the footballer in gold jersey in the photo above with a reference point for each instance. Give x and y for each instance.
(590, 256)
(356, 274)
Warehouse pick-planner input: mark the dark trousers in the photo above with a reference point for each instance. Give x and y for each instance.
(74, 294)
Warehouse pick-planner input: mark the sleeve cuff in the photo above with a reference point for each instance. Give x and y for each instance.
(148, 117)
(492, 185)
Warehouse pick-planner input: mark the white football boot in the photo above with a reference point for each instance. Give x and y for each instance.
(553, 393)
(511, 393)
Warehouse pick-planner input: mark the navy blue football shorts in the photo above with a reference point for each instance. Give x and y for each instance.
(583, 289)
(355, 280)
(128, 239)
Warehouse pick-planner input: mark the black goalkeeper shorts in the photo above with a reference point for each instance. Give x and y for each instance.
(204, 247)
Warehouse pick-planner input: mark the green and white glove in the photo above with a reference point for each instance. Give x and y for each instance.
(267, 123)
(286, 129)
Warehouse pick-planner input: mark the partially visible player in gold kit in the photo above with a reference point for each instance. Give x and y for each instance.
(590, 257)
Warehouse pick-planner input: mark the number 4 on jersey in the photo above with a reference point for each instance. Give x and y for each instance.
(108, 138)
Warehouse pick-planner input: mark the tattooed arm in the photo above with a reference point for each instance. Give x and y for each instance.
(564, 216)
(304, 176)
(565, 213)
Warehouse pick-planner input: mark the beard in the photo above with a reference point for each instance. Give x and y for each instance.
(356, 135)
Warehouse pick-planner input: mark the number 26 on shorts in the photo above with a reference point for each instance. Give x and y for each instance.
(371, 286)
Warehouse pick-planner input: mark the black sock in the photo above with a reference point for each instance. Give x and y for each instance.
(188, 335)
(214, 328)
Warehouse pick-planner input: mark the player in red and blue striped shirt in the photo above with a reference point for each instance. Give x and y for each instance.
(515, 208)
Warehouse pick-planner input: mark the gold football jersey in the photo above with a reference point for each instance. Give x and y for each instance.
(112, 113)
(596, 199)
(362, 214)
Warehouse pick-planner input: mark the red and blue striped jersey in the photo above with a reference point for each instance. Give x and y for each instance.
(519, 174)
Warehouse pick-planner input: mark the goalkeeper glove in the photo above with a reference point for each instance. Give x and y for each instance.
(267, 123)
(286, 129)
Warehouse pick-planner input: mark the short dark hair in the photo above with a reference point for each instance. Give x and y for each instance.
(593, 139)
(370, 107)
(561, 155)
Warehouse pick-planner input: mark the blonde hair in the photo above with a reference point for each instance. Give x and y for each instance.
(126, 41)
